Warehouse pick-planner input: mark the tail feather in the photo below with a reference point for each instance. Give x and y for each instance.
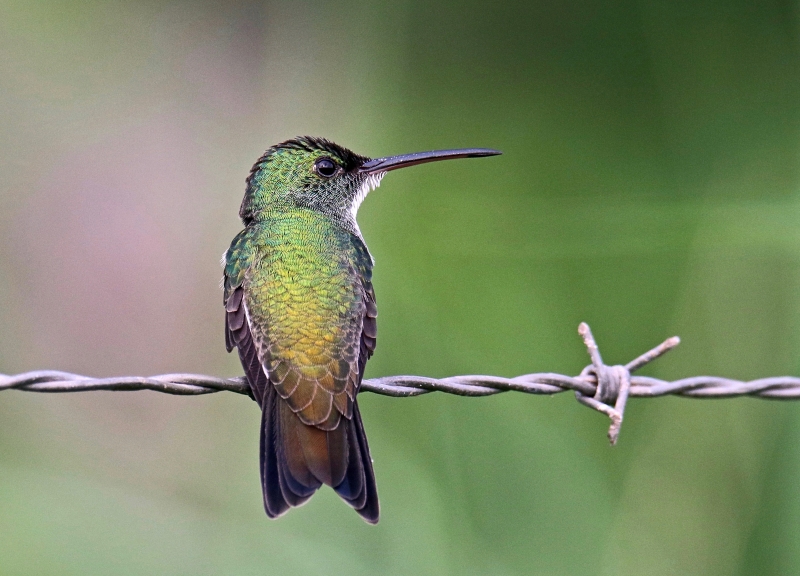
(324, 451)
(298, 484)
(296, 459)
(294, 493)
(291, 458)
(351, 489)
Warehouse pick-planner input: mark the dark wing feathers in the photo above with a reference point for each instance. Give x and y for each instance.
(238, 334)
(369, 330)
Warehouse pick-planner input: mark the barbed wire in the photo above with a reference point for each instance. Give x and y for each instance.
(602, 388)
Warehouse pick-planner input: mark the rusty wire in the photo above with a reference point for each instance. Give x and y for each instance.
(602, 388)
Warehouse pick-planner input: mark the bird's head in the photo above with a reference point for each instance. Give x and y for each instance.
(316, 173)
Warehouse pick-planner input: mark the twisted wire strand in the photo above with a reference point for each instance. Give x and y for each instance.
(603, 388)
(543, 383)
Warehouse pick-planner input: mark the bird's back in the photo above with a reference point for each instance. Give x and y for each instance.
(304, 295)
(308, 299)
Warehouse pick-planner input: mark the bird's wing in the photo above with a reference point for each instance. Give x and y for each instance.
(237, 260)
(369, 326)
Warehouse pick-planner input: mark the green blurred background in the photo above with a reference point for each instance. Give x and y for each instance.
(650, 186)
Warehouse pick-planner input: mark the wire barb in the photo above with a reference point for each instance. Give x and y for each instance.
(614, 382)
(602, 388)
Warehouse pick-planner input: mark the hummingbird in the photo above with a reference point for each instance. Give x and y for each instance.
(300, 308)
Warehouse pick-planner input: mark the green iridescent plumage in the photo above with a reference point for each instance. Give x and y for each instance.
(305, 290)
(301, 311)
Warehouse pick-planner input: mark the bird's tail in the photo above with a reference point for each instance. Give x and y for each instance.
(296, 459)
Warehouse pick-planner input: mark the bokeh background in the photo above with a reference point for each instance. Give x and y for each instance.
(650, 186)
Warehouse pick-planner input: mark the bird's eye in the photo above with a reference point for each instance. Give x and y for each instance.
(325, 167)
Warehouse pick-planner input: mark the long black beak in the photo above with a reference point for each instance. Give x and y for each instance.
(404, 160)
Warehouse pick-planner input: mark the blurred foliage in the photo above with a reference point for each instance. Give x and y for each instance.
(649, 186)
